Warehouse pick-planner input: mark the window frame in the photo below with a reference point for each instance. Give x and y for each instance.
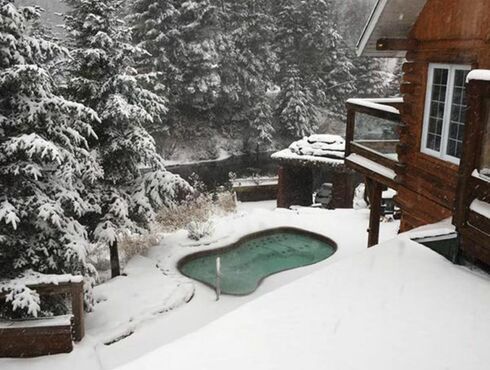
(448, 104)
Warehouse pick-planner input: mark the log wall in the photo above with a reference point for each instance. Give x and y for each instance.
(446, 32)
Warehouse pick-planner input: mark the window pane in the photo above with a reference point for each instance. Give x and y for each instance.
(458, 114)
(485, 154)
(437, 106)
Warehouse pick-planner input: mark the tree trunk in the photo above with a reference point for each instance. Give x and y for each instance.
(115, 265)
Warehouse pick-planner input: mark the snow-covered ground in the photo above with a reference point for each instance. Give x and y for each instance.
(147, 309)
(395, 306)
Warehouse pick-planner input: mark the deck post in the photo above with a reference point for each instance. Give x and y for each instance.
(375, 190)
(77, 310)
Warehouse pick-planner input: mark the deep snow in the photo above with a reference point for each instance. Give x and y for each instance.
(146, 309)
(396, 306)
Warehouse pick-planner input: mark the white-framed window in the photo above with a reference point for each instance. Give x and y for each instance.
(445, 111)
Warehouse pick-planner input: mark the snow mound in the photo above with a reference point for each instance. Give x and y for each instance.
(315, 148)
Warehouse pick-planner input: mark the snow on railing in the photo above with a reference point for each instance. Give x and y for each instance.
(478, 74)
(373, 166)
(378, 104)
(481, 207)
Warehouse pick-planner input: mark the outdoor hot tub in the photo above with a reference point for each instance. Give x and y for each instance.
(247, 262)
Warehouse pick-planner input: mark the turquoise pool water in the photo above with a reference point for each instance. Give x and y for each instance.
(246, 264)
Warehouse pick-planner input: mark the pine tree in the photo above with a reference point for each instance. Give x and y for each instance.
(103, 78)
(248, 66)
(45, 163)
(181, 38)
(372, 77)
(313, 62)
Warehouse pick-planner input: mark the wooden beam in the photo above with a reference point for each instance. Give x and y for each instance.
(375, 190)
(77, 311)
(349, 132)
(396, 44)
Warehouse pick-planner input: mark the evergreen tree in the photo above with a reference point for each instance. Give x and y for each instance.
(180, 37)
(372, 78)
(248, 66)
(45, 164)
(103, 78)
(313, 62)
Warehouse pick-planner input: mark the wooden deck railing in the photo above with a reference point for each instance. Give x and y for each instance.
(40, 337)
(379, 146)
(473, 227)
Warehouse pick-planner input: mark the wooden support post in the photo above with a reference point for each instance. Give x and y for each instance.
(114, 255)
(375, 190)
(77, 310)
(349, 133)
(281, 188)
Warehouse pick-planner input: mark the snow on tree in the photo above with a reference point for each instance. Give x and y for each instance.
(373, 77)
(314, 68)
(103, 77)
(248, 65)
(180, 37)
(45, 164)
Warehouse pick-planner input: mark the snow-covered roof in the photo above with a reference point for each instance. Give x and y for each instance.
(392, 19)
(326, 149)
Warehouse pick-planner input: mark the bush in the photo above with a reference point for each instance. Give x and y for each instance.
(178, 217)
(128, 247)
(198, 210)
(133, 245)
(198, 230)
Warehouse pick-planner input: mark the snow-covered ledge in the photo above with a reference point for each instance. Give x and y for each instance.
(480, 176)
(371, 165)
(478, 74)
(481, 207)
(378, 104)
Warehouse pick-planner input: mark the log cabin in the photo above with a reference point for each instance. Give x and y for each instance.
(431, 145)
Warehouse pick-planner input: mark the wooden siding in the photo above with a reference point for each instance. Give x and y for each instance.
(446, 32)
(453, 20)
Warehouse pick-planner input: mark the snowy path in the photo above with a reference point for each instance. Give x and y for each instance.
(148, 308)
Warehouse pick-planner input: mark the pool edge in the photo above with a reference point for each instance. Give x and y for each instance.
(247, 237)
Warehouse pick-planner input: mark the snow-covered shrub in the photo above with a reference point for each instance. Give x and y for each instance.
(177, 217)
(134, 245)
(23, 302)
(226, 202)
(199, 209)
(197, 230)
